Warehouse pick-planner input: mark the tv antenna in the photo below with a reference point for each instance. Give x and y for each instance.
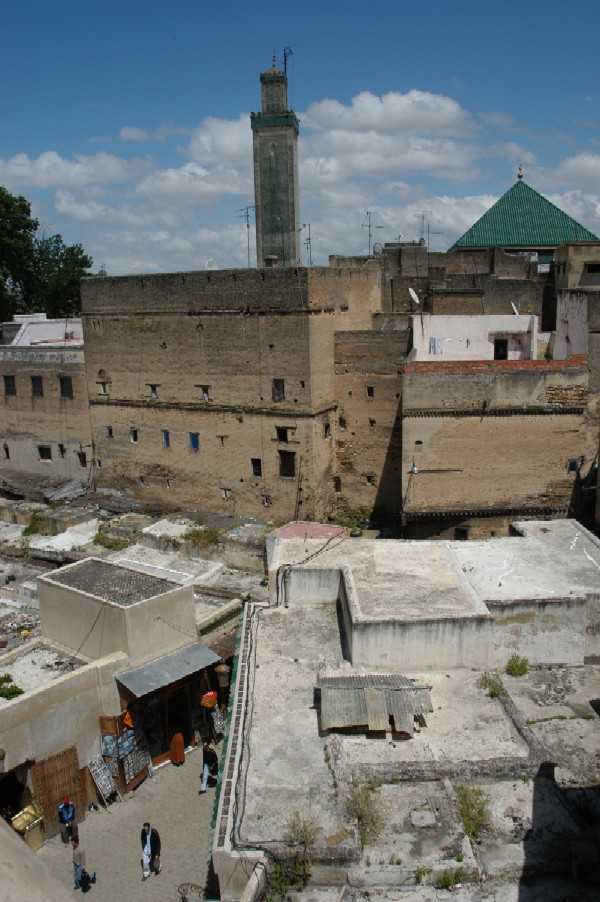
(245, 214)
(307, 242)
(425, 214)
(367, 224)
(287, 51)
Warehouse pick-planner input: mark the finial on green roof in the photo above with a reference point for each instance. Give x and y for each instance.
(520, 173)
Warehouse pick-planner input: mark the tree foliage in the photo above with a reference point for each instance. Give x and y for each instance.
(38, 272)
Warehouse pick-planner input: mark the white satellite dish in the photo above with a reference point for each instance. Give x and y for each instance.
(210, 264)
(414, 295)
(515, 311)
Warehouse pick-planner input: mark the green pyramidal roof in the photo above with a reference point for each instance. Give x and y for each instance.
(523, 218)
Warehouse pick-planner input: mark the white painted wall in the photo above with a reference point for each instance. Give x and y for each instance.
(472, 337)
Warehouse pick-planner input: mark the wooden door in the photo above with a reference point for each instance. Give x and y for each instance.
(54, 778)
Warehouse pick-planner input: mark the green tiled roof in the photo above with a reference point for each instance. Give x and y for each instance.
(523, 218)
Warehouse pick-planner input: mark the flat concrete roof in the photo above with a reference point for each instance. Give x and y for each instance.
(394, 580)
(110, 582)
(551, 559)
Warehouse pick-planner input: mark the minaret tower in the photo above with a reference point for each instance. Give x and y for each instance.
(275, 146)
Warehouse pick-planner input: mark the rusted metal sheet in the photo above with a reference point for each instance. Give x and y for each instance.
(378, 717)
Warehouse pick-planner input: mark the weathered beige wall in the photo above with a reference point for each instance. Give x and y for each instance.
(28, 422)
(62, 713)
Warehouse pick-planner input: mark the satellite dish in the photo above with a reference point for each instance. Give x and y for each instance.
(210, 264)
(414, 295)
(515, 311)
(377, 250)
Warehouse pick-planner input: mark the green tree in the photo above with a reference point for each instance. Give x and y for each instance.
(56, 271)
(38, 272)
(17, 233)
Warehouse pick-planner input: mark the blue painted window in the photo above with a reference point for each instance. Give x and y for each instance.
(194, 441)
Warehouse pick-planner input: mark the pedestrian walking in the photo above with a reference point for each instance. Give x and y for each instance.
(150, 851)
(210, 765)
(81, 877)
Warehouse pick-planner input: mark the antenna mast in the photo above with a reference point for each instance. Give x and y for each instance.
(367, 225)
(286, 52)
(245, 211)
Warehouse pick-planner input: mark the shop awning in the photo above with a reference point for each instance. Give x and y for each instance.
(168, 669)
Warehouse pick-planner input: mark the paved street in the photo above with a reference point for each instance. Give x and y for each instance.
(171, 803)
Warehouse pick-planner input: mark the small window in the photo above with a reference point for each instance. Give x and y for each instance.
(266, 500)
(572, 466)
(371, 423)
(37, 387)
(282, 434)
(501, 349)
(66, 387)
(287, 464)
(371, 478)
(109, 432)
(10, 386)
(6, 452)
(326, 430)
(592, 267)
(256, 464)
(45, 452)
(205, 392)
(370, 391)
(194, 441)
(225, 494)
(102, 388)
(278, 389)
(62, 450)
(133, 435)
(82, 457)
(342, 422)
(337, 484)
(166, 438)
(461, 533)
(153, 392)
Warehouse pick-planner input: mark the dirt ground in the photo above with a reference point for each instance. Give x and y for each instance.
(111, 839)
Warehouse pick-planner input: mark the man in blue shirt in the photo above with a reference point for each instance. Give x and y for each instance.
(66, 819)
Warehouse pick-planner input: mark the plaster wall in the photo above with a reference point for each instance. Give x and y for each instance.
(544, 631)
(571, 336)
(427, 644)
(62, 713)
(472, 337)
(68, 615)
(570, 265)
(304, 586)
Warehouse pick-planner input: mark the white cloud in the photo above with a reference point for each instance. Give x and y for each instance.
(50, 170)
(416, 113)
(192, 184)
(222, 141)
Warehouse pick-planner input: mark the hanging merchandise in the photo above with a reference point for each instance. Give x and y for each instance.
(209, 700)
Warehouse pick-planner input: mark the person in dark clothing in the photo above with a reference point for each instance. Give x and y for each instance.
(150, 851)
(210, 765)
(66, 819)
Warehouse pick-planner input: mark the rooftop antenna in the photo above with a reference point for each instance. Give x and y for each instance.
(245, 214)
(368, 225)
(286, 52)
(308, 242)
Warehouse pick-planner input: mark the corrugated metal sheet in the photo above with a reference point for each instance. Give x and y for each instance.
(168, 669)
(371, 706)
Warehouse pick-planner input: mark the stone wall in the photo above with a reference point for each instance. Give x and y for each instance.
(59, 426)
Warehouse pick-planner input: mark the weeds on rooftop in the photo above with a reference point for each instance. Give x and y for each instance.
(489, 682)
(448, 879)
(36, 525)
(113, 543)
(199, 537)
(517, 666)
(357, 518)
(363, 804)
(474, 810)
(8, 689)
(420, 874)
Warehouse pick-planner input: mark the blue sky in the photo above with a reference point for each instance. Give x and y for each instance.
(127, 124)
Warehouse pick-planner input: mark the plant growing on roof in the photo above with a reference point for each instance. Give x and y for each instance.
(517, 666)
(363, 804)
(474, 810)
